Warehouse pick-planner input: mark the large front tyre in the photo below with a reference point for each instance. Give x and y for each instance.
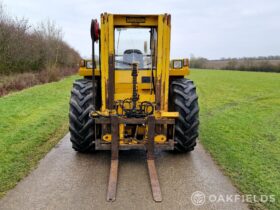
(185, 101)
(81, 126)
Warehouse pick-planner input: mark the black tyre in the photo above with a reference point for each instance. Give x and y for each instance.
(185, 101)
(81, 126)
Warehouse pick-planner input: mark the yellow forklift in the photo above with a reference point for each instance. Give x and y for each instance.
(132, 97)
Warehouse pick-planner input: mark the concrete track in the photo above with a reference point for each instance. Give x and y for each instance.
(65, 179)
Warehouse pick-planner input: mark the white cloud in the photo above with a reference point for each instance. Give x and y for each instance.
(211, 29)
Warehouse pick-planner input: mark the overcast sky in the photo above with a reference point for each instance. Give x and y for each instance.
(208, 28)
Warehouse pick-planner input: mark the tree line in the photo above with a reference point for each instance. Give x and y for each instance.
(259, 64)
(25, 48)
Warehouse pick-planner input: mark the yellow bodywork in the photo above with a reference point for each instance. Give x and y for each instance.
(122, 78)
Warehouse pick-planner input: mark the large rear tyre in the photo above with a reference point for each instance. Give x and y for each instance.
(81, 126)
(185, 101)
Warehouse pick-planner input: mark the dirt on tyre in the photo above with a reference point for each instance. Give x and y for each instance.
(185, 101)
(81, 126)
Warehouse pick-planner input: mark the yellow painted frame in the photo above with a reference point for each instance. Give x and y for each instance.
(162, 22)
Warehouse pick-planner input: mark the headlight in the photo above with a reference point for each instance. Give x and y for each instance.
(177, 64)
(89, 65)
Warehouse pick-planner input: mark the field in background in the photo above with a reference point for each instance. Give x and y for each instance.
(222, 64)
(257, 64)
(240, 127)
(32, 122)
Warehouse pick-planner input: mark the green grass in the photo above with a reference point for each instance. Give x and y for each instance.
(31, 122)
(240, 127)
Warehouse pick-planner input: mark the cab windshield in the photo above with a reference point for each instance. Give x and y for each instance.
(135, 45)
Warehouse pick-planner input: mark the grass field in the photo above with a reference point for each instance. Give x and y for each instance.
(240, 127)
(31, 122)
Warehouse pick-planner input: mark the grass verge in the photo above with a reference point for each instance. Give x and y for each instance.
(32, 122)
(240, 127)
